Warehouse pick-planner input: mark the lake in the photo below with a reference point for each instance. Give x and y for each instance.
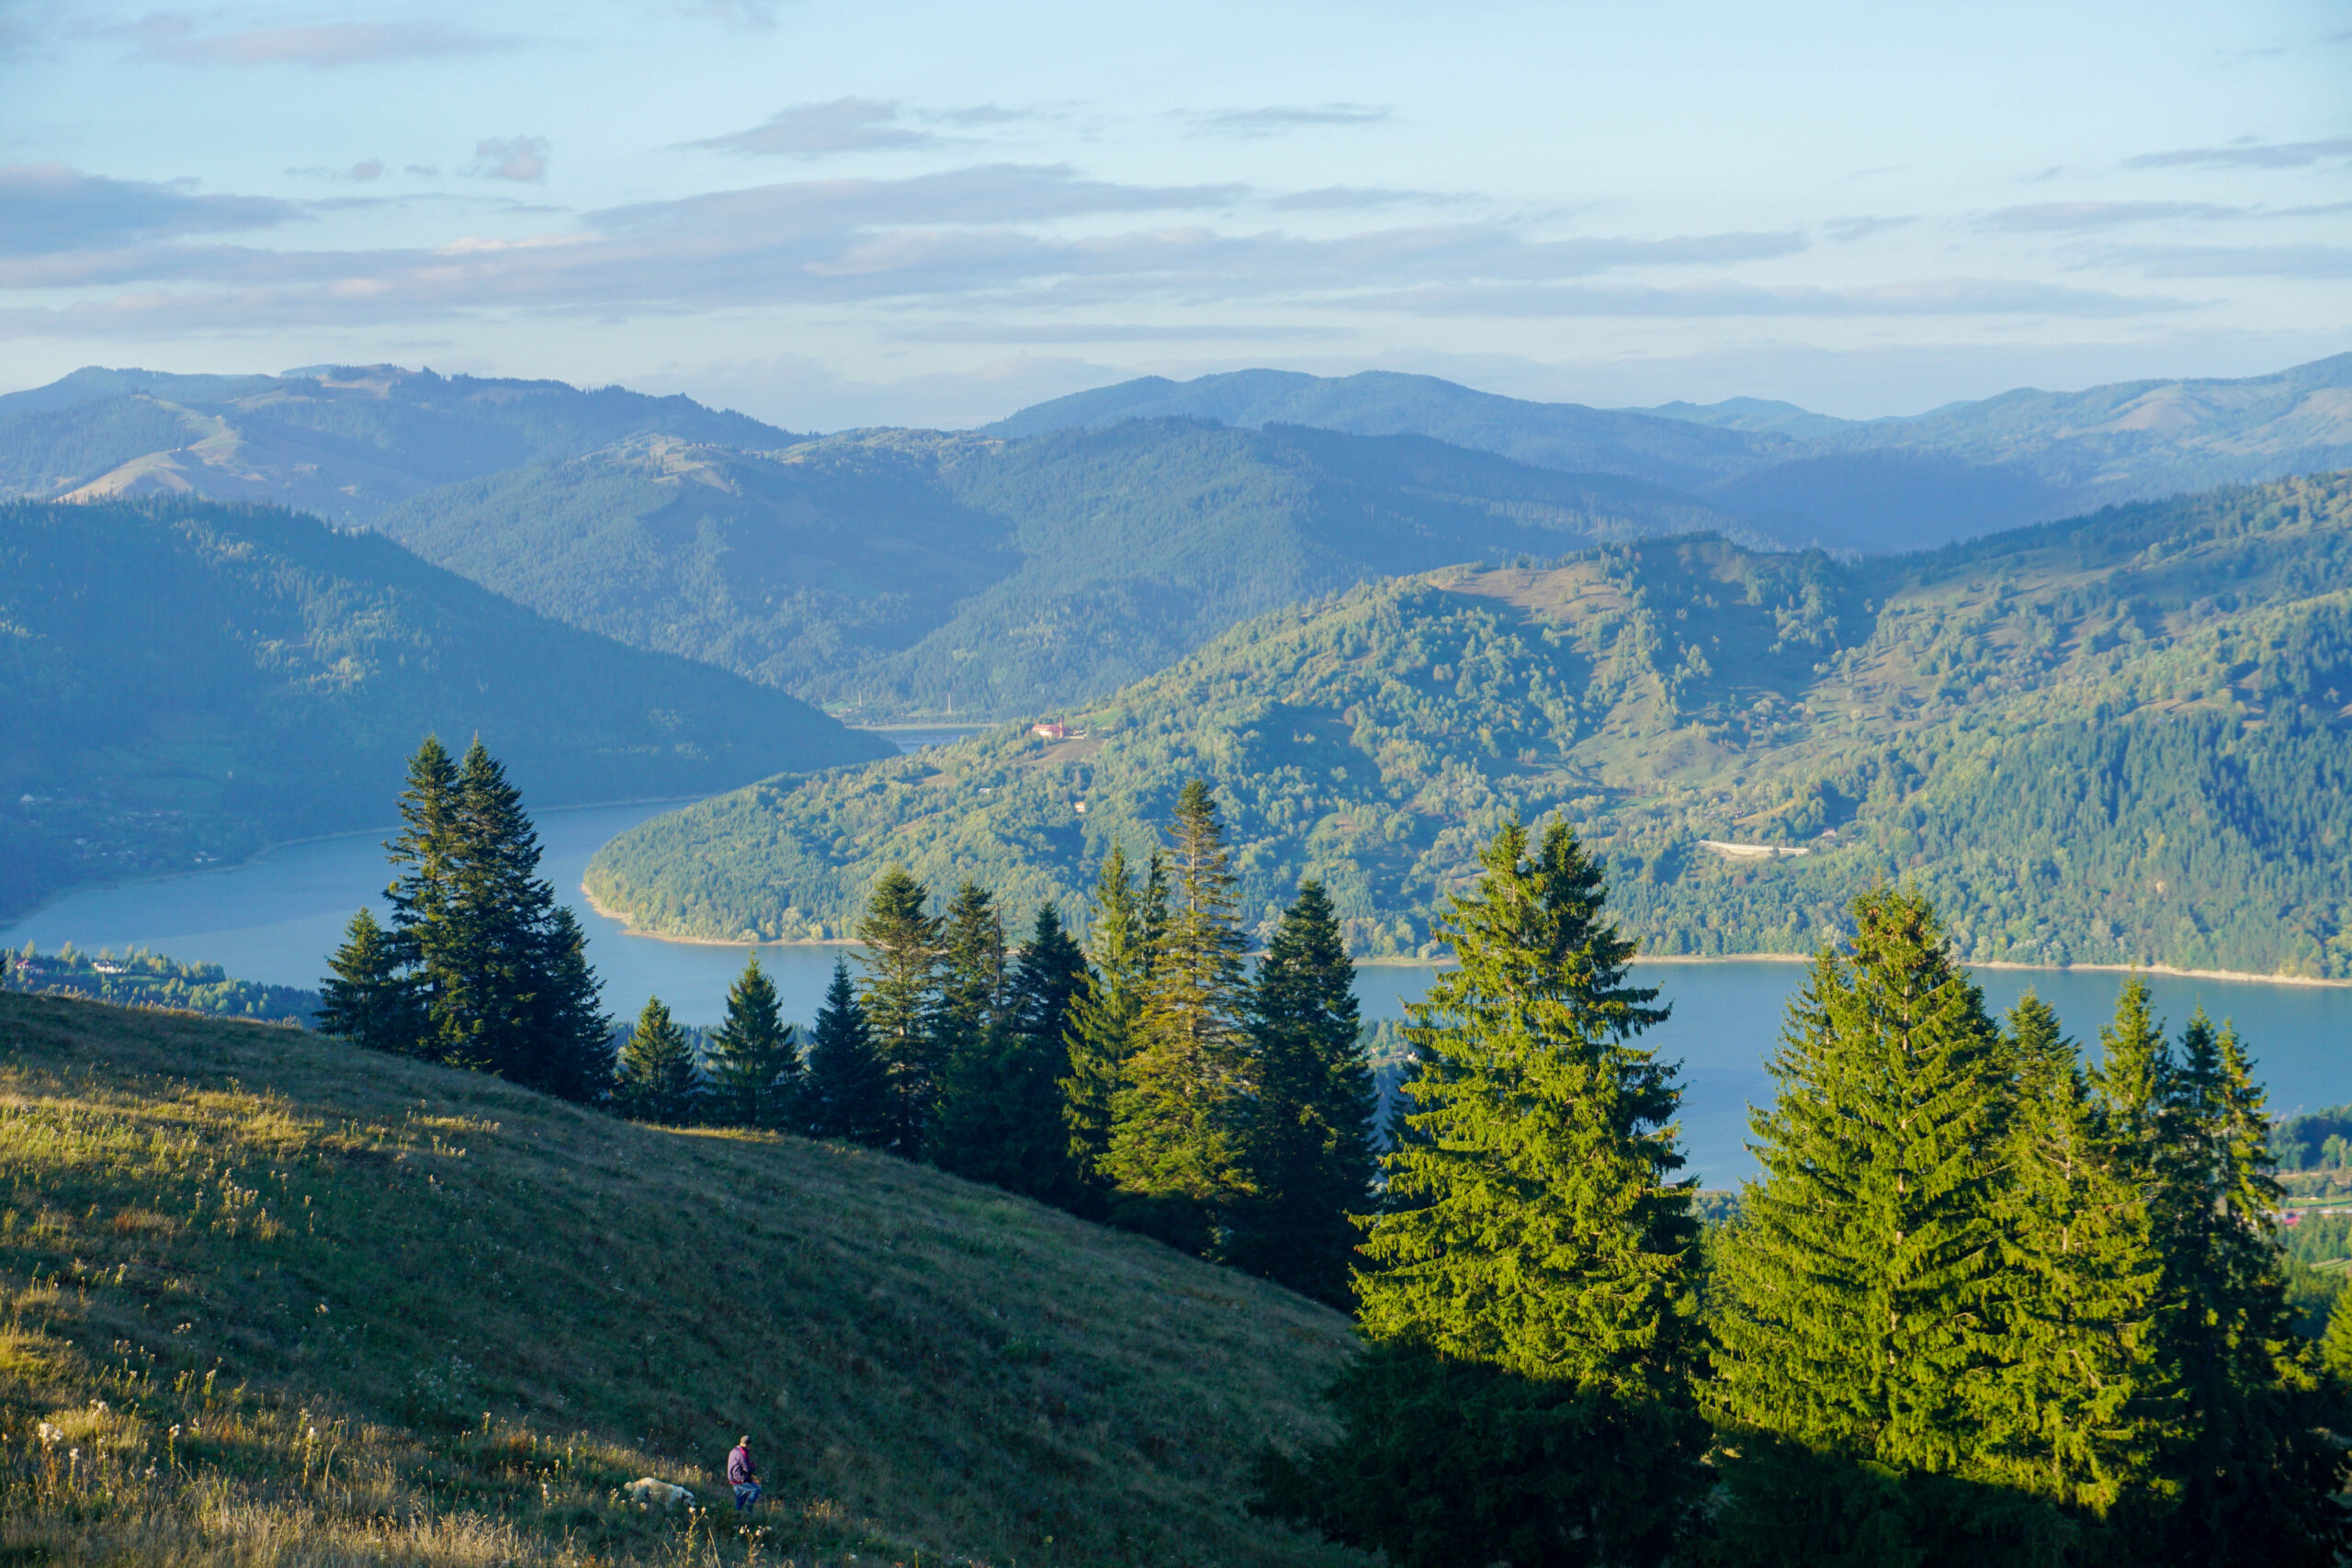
(276, 918)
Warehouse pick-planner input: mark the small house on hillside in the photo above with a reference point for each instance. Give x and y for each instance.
(1054, 730)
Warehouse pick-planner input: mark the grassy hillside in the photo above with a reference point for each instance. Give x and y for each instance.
(2121, 739)
(1882, 485)
(899, 573)
(181, 679)
(279, 1301)
(342, 441)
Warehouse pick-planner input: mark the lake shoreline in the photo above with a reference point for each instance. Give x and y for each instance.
(629, 926)
(107, 885)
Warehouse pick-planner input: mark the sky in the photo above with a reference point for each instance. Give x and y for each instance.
(831, 215)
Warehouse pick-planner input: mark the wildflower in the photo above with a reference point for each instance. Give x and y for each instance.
(50, 1434)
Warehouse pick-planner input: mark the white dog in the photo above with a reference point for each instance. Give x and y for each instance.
(648, 1493)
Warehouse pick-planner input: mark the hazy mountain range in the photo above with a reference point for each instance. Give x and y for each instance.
(1872, 485)
(1087, 541)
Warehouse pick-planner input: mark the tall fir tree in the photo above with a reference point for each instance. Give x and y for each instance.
(1177, 1116)
(971, 955)
(900, 997)
(496, 969)
(847, 1091)
(1526, 1394)
(1105, 1023)
(420, 895)
(484, 990)
(753, 1061)
(1308, 1152)
(2259, 1477)
(1000, 1119)
(367, 997)
(2077, 1409)
(574, 1032)
(1860, 1286)
(658, 1081)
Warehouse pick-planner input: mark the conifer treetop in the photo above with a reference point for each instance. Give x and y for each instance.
(1541, 1229)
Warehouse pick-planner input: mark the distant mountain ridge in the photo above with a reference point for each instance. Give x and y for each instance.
(182, 681)
(342, 441)
(1879, 485)
(901, 571)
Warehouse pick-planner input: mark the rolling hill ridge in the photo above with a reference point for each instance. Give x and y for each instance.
(898, 573)
(2121, 739)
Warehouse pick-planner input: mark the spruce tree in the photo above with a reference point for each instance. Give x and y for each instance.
(2258, 1477)
(496, 969)
(847, 1091)
(1184, 1090)
(1000, 1119)
(368, 1000)
(658, 1069)
(573, 1034)
(1104, 1022)
(753, 1061)
(900, 997)
(1307, 1153)
(1526, 1394)
(1860, 1312)
(420, 892)
(2077, 1409)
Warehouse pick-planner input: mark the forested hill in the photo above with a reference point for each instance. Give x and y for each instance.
(2120, 738)
(342, 441)
(900, 572)
(1882, 485)
(180, 680)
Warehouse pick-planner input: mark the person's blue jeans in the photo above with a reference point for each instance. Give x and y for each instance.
(746, 1494)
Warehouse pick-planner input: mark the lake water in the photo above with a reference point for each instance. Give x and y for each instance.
(276, 918)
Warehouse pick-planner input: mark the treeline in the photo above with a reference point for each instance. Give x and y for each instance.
(141, 978)
(1986, 1305)
(1151, 1079)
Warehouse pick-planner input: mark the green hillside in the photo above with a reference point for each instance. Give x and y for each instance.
(896, 572)
(275, 1300)
(2121, 739)
(342, 441)
(181, 679)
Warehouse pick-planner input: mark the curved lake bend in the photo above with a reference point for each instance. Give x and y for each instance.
(276, 918)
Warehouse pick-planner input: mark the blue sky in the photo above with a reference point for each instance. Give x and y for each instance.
(830, 214)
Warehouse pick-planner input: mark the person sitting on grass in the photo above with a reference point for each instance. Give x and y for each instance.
(742, 1474)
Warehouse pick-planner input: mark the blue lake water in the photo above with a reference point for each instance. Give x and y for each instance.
(276, 918)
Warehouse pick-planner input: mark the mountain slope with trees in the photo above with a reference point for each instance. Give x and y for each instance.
(2117, 740)
(183, 679)
(900, 572)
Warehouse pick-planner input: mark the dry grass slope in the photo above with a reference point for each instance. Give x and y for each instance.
(264, 1300)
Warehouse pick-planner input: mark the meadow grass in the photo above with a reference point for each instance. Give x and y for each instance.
(268, 1300)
